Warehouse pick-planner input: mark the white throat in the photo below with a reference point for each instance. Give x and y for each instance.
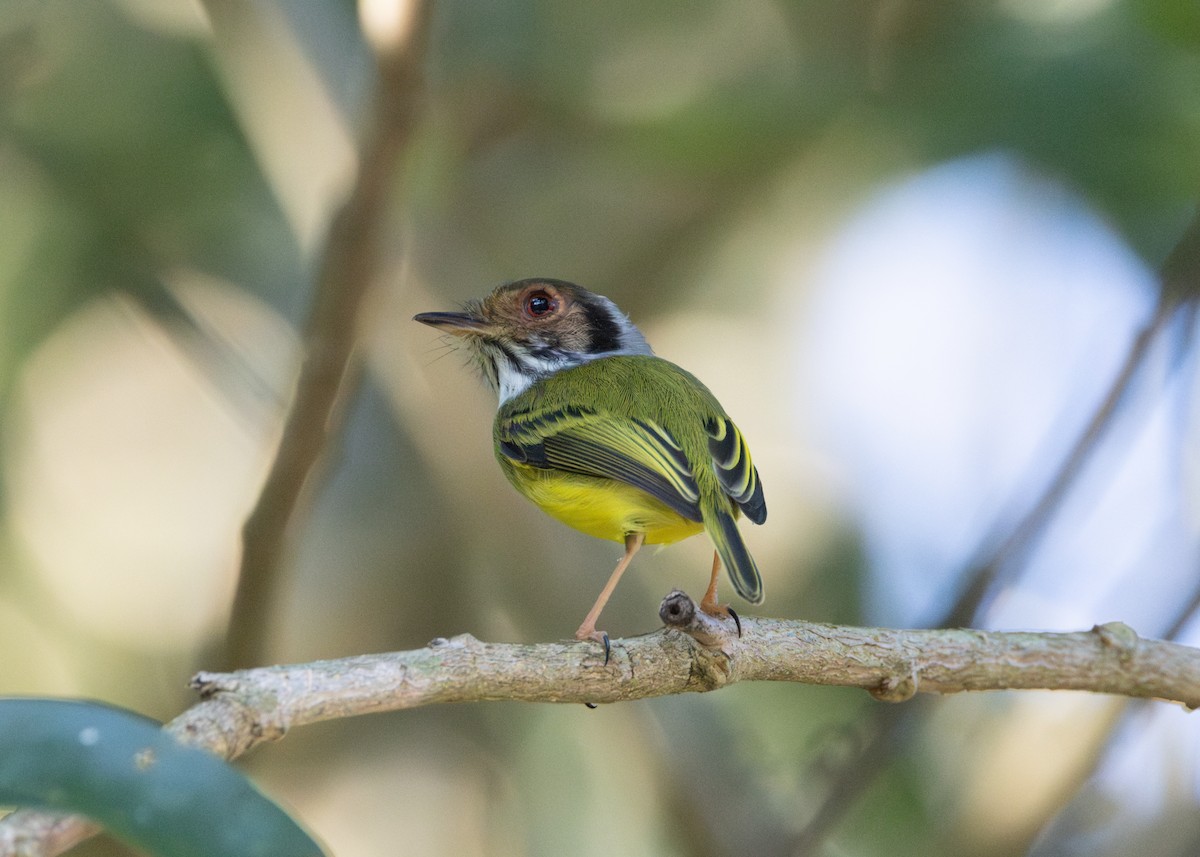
(511, 381)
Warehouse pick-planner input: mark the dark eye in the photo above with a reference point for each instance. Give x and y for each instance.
(539, 304)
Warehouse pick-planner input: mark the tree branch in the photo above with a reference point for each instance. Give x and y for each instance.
(695, 652)
(348, 265)
(892, 665)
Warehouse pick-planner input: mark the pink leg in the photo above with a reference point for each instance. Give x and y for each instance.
(709, 603)
(587, 631)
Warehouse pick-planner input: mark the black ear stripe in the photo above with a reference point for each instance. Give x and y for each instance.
(605, 333)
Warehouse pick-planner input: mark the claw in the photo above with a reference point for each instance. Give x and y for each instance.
(600, 637)
(591, 705)
(736, 620)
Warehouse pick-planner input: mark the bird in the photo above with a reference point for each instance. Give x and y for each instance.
(607, 437)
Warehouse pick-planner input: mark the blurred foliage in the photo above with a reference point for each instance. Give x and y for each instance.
(670, 155)
(124, 144)
(121, 770)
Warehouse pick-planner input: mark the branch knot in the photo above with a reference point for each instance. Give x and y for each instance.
(1119, 637)
(897, 688)
(680, 612)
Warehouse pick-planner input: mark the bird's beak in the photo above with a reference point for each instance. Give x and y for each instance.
(457, 323)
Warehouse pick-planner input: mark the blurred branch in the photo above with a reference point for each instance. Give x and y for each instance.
(34, 833)
(1179, 284)
(348, 266)
(1030, 527)
(694, 653)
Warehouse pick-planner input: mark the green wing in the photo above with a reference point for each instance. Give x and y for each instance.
(577, 440)
(735, 471)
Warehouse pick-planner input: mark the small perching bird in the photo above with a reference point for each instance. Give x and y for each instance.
(606, 437)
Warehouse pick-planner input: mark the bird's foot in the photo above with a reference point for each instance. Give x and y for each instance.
(587, 632)
(721, 611)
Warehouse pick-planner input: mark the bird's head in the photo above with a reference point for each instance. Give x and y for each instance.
(529, 329)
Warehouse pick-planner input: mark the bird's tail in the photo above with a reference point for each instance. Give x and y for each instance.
(743, 572)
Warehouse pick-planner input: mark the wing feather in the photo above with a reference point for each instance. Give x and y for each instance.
(637, 452)
(735, 471)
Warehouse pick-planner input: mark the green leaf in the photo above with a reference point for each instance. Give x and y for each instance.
(122, 771)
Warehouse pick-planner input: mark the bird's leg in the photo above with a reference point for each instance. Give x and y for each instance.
(587, 631)
(709, 604)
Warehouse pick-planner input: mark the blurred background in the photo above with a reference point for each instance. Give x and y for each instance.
(912, 245)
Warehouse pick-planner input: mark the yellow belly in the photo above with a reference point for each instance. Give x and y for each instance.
(602, 507)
